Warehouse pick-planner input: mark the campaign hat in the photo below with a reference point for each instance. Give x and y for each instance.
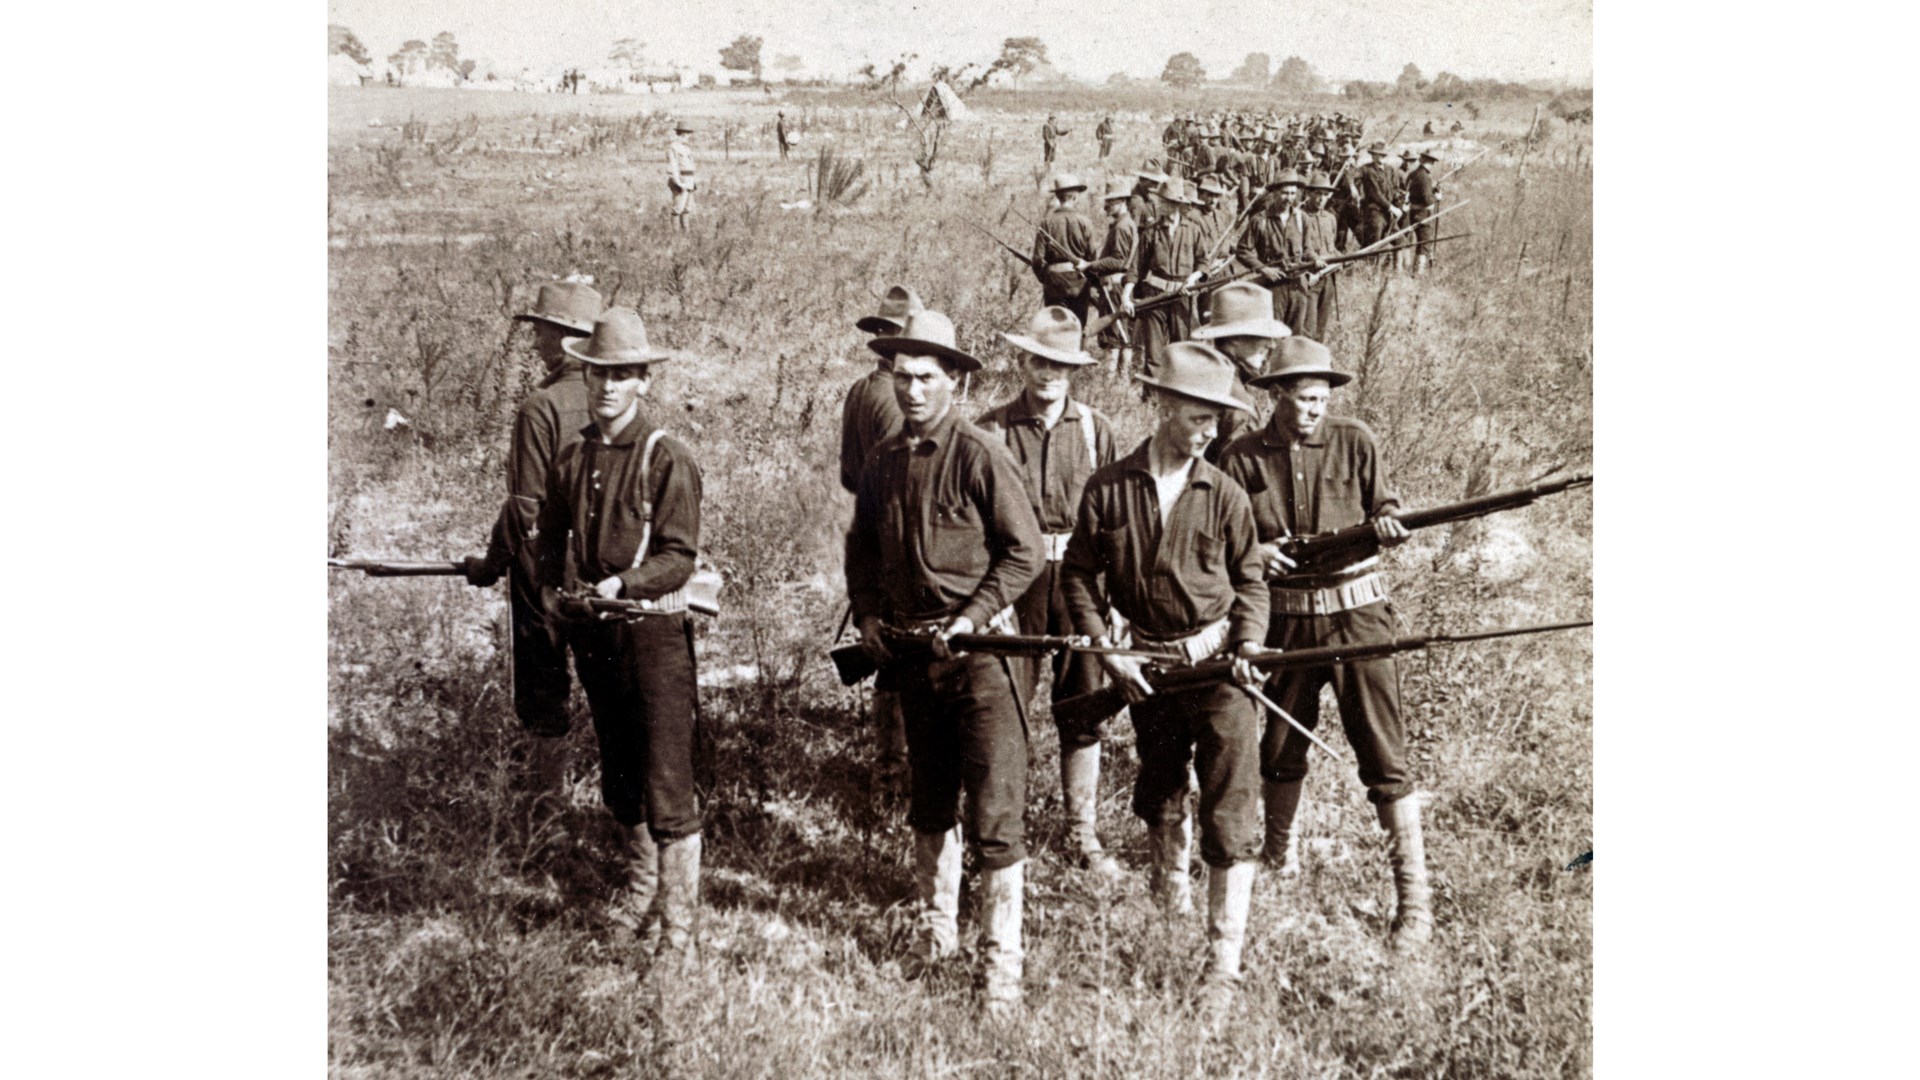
(899, 303)
(571, 305)
(1199, 371)
(927, 333)
(1298, 356)
(1118, 187)
(1053, 333)
(1241, 309)
(1067, 181)
(619, 338)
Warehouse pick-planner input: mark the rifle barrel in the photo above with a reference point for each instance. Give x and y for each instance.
(398, 568)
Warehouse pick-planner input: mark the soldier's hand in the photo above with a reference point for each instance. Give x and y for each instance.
(1274, 561)
(477, 572)
(1273, 274)
(960, 625)
(1126, 306)
(873, 640)
(1244, 672)
(1319, 262)
(1194, 278)
(1390, 531)
(1129, 674)
(609, 588)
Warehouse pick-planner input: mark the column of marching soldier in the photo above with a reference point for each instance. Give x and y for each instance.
(1027, 519)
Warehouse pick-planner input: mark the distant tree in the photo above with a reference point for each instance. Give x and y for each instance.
(788, 62)
(1361, 90)
(742, 55)
(445, 52)
(1021, 56)
(411, 57)
(341, 40)
(1253, 71)
(1447, 86)
(1410, 81)
(1183, 70)
(466, 69)
(628, 52)
(1296, 77)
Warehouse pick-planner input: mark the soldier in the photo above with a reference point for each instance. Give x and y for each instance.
(1423, 194)
(1116, 255)
(1308, 473)
(1062, 248)
(869, 417)
(622, 520)
(1174, 543)
(1320, 232)
(1378, 196)
(681, 180)
(1215, 215)
(1172, 255)
(1140, 203)
(780, 132)
(1241, 326)
(1050, 138)
(1058, 442)
(943, 541)
(1104, 132)
(1272, 242)
(1344, 201)
(548, 421)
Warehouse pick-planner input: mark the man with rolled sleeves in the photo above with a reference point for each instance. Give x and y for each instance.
(1062, 248)
(1058, 442)
(682, 179)
(943, 542)
(869, 417)
(550, 419)
(1240, 324)
(622, 521)
(1171, 256)
(1308, 473)
(1168, 541)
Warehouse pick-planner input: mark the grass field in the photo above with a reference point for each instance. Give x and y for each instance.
(461, 936)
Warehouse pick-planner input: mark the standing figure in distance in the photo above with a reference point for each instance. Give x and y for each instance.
(1050, 133)
(1062, 248)
(681, 179)
(1104, 132)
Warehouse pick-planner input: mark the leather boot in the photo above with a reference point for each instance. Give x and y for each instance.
(1413, 921)
(1080, 786)
(634, 903)
(1168, 848)
(936, 884)
(1282, 850)
(1229, 898)
(1002, 902)
(679, 899)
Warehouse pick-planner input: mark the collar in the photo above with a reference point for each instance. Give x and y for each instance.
(1019, 412)
(1273, 437)
(570, 369)
(941, 432)
(1199, 475)
(637, 429)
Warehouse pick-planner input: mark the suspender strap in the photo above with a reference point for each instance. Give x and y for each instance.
(646, 494)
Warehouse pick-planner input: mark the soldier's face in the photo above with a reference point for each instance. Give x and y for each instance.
(1188, 425)
(923, 387)
(1047, 381)
(1289, 198)
(546, 344)
(1299, 405)
(613, 391)
(1115, 208)
(1316, 200)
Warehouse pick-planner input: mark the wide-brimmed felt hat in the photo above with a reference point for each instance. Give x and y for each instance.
(1378, 149)
(927, 333)
(1210, 184)
(1428, 155)
(1177, 190)
(1287, 176)
(1118, 187)
(1151, 172)
(569, 304)
(619, 338)
(1319, 181)
(1298, 356)
(1240, 309)
(1066, 181)
(1197, 371)
(683, 127)
(895, 306)
(1053, 333)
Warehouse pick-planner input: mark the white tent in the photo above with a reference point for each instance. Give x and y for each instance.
(437, 76)
(942, 103)
(342, 70)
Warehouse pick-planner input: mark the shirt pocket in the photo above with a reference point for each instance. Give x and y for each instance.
(1340, 506)
(955, 542)
(1115, 555)
(1209, 553)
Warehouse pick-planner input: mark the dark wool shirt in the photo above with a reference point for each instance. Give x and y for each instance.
(1328, 481)
(596, 513)
(547, 421)
(1204, 566)
(871, 415)
(941, 527)
(1055, 464)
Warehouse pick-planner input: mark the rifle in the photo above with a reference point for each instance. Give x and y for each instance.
(1099, 287)
(1011, 250)
(1360, 541)
(385, 568)
(1462, 165)
(1086, 711)
(702, 593)
(853, 663)
(1375, 247)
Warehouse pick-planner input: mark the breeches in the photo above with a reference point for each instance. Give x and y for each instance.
(640, 682)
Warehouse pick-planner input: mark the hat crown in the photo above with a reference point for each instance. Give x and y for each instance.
(930, 326)
(1056, 328)
(1067, 181)
(1198, 370)
(619, 337)
(571, 303)
(1298, 356)
(1239, 302)
(1118, 187)
(899, 303)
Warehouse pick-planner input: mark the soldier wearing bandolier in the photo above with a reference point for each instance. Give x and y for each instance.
(1059, 442)
(1307, 473)
(1423, 195)
(622, 521)
(549, 420)
(1062, 248)
(1173, 541)
(1172, 255)
(1240, 324)
(869, 417)
(1110, 269)
(943, 542)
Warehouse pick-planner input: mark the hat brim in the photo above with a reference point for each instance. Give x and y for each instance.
(1073, 187)
(532, 316)
(1260, 328)
(1229, 401)
(1058, 356)
(879, 324)
(651, 356)
(1334, 378)
(892, 347)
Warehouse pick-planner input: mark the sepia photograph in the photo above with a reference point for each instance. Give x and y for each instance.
(884, 539)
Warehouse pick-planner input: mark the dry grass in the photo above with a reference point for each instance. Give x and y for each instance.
(461, 942)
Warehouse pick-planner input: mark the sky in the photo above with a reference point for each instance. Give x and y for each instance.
(1342, 39)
